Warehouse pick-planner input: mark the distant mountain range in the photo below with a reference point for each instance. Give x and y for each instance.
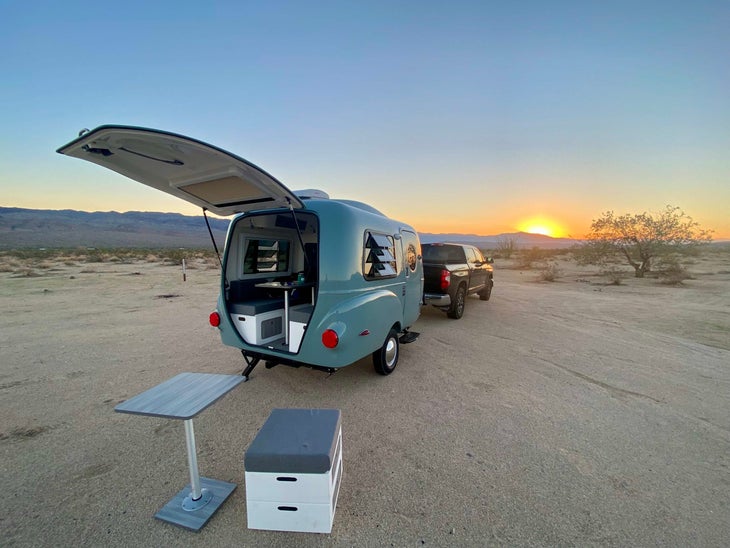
(520, 239)
(68, 228)
(23, 228)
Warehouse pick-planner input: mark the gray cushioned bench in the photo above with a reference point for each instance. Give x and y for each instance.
(295, 440)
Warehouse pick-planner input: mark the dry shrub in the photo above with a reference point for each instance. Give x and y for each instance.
(615, 276)
(26, 273)
(95, 256)
(673, 273)
(506, 247)
(549, 272)
(527, 258)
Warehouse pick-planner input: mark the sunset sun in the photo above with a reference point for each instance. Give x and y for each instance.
(542, 226)
(538, 229)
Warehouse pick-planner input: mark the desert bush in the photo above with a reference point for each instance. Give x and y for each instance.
(175, 256)
(593, 254)
(506, 247)
(674, 277)
(615, 276)
(672, 272)
(527, 258)
(122, 255)
(26, 273)
(549, 272)
(94, 256)
(643, 238)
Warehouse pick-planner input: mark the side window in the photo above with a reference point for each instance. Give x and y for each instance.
(266, 256)
(471, 255)
(379, 256)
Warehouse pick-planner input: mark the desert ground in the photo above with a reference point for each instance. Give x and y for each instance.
(572, 412)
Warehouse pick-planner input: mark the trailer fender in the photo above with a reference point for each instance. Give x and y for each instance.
(365, 319)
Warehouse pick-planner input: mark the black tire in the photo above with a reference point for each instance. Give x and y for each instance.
(386, 358)
(487, 291)
(456, 310)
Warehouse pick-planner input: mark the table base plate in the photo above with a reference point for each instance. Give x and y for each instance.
(173, 512)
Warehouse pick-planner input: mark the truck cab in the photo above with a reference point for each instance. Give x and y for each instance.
(305, 280)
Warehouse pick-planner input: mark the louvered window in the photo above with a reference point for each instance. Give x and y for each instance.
(379, 257)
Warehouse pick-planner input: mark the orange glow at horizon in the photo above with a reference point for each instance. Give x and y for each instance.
(538, 230)
(542, 225)
(504, 224)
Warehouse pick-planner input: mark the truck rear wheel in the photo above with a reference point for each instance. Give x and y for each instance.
(386, 358)
(456, 310)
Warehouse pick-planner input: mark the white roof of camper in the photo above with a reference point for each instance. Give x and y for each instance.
(316, 194)
(312, 194)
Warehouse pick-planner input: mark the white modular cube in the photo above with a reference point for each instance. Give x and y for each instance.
(293, 471)
(299, 317)
(296, 334)
(260, 329)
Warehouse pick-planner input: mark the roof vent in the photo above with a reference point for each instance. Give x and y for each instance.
(311, 194)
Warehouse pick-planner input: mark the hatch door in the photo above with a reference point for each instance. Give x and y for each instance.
(196, 172)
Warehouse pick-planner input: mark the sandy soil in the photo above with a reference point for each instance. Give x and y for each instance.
(570, 413)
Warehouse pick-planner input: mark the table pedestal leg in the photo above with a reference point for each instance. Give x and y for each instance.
(286, 317)
(198, 497)
(195, 505)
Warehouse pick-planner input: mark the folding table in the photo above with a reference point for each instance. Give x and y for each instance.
(183, 397)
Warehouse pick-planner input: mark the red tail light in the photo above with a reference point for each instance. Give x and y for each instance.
(330, 338)
(214, 319)
(445, 279)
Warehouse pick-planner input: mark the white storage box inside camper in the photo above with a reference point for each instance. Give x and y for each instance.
(293, 471)
(261, 328)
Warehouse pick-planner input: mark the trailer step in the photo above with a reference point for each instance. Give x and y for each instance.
(408, 337)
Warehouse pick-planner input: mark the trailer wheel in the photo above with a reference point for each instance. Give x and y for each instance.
(456, 310)
(386, 358)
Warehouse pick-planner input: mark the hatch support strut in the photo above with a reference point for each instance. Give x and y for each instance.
(212, 239)
(299, 233)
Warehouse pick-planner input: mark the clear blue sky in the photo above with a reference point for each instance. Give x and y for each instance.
(453, 116)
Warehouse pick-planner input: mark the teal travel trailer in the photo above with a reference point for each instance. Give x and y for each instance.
(305, 280)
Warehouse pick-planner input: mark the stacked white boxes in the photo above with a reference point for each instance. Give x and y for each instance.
(293, 471)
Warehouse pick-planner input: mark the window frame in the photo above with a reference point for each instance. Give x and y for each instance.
(247, 239)
(394, 265)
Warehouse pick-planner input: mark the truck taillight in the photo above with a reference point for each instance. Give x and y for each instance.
(445, 279)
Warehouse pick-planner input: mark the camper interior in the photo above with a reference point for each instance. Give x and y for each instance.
(272, 277)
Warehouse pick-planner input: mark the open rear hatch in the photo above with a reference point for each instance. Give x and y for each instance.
(196, 172)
